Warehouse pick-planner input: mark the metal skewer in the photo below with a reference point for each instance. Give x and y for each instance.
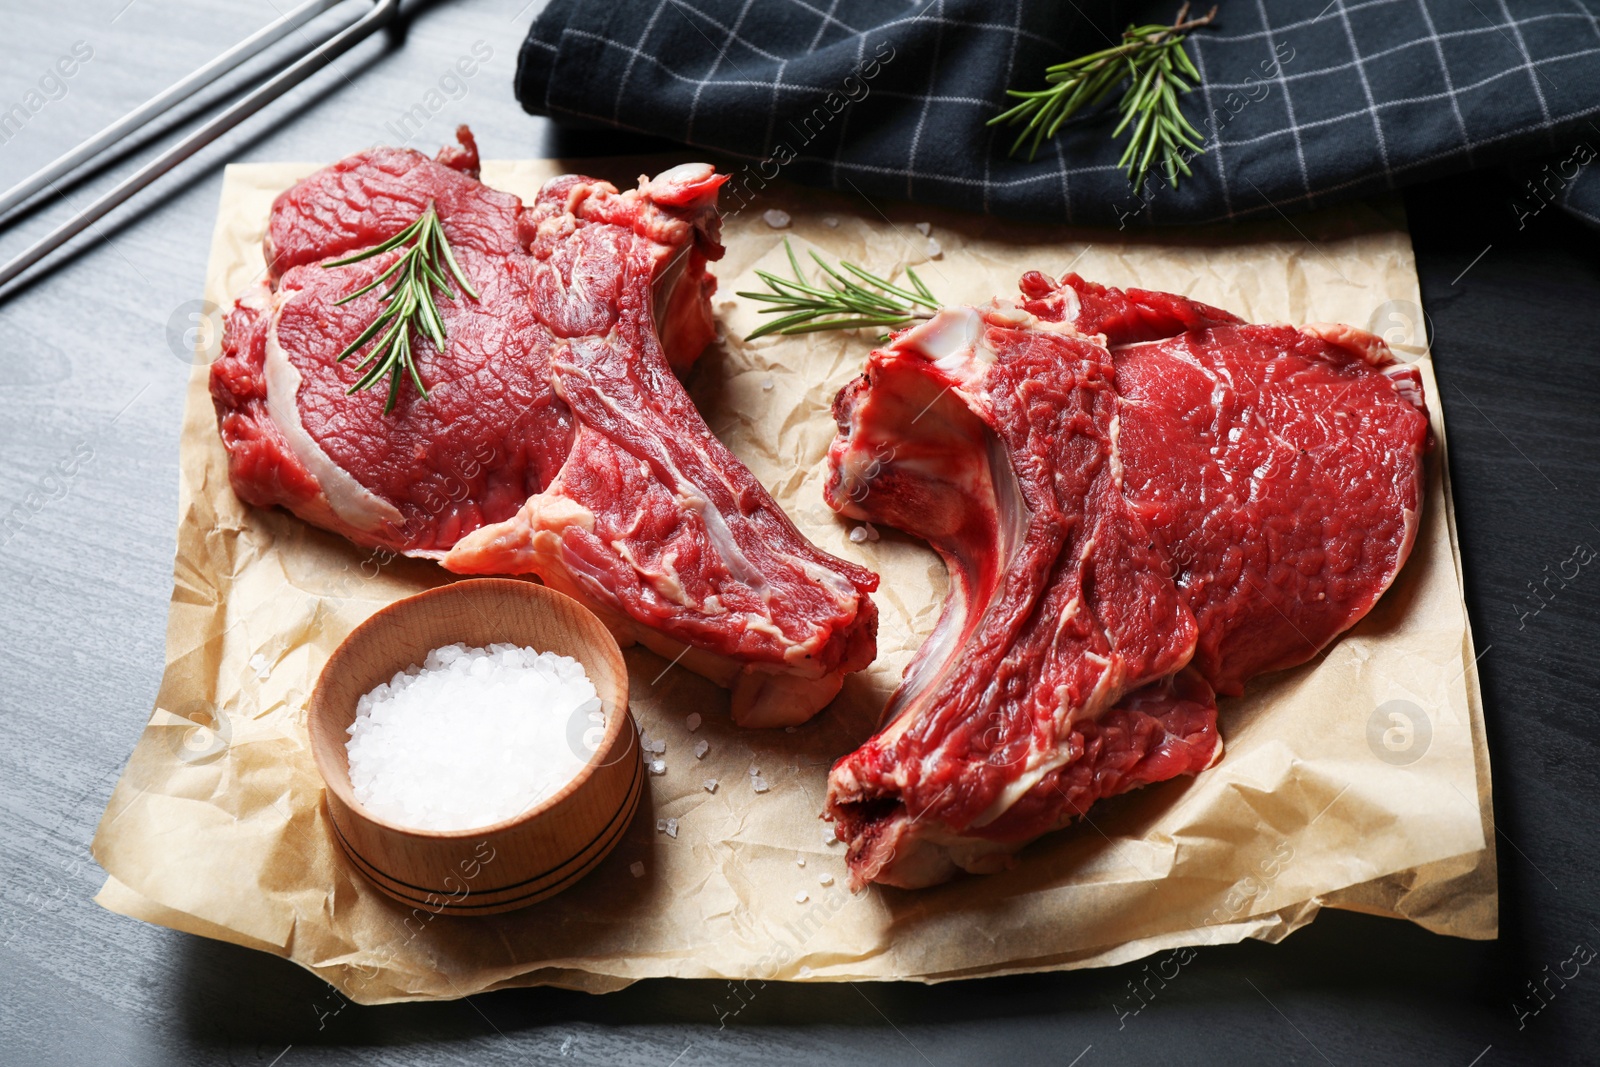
(309, 64)
(133, 120)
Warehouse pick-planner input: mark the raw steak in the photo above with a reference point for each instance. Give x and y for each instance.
(556, 439)
(1142, 501)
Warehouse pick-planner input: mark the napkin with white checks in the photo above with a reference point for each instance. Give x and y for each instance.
(1297, 107)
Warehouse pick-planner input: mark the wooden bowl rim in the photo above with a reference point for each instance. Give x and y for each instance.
(607, 648)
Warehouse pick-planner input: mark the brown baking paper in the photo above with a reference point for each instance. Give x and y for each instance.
(218, 826)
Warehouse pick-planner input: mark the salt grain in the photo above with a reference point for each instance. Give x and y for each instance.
(934, 251)
(259, 664)
(693, 721)
(767, 385)
(701, 748)
(830, 222)
(828, 836)
(657, 746)
(776, 219)
(471, 737)
(672, 829)
(864, 533)
(801, 897)
(825, 880)
(758, 783)
(636, 868)
(799, 861)
(661, 826)
(658, 766)
(711, 785)
(924, 228)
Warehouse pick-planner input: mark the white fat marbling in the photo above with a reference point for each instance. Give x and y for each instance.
(347, 498)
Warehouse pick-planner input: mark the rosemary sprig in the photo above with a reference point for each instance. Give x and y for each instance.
(841, 302)
(1152, 60)
(408, 301)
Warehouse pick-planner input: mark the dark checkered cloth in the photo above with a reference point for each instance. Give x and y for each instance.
(887, 99)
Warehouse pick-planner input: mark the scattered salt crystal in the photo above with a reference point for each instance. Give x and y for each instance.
(801, 897)
(658, 766)
(636, 868)
(776, 219)
(830, 222)
(924, 228)
(790, 729)
(661, 826)
(672, 829)
(693, 721)
(470, 737)
(701, 748)
(934, 251)
(711, 785)
(258, 663)
(864, 533)
(828, 836)
(758, 783)
(754, 770)
(657, 746)
(872, 531)
(799, 861)
(825, 880)
(767, 385)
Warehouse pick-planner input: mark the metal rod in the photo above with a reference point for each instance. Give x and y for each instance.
(307, 65)
(133, 120)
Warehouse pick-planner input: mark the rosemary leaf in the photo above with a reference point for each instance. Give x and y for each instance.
(1152, 62)
(845, 298)
(427, 265)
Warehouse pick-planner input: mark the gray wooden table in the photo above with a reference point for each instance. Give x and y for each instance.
(93, 365)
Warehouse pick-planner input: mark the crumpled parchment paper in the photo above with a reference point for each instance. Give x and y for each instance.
(1360, 780)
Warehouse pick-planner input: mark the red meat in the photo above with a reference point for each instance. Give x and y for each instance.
(556, 439)
(1141, 500)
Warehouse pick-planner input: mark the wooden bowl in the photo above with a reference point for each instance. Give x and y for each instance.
(508, 864)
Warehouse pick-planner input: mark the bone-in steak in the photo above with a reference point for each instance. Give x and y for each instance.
(1141, 501)
(556, 439)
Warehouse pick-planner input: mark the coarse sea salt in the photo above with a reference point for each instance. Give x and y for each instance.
(472, 736)
(864, 533)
